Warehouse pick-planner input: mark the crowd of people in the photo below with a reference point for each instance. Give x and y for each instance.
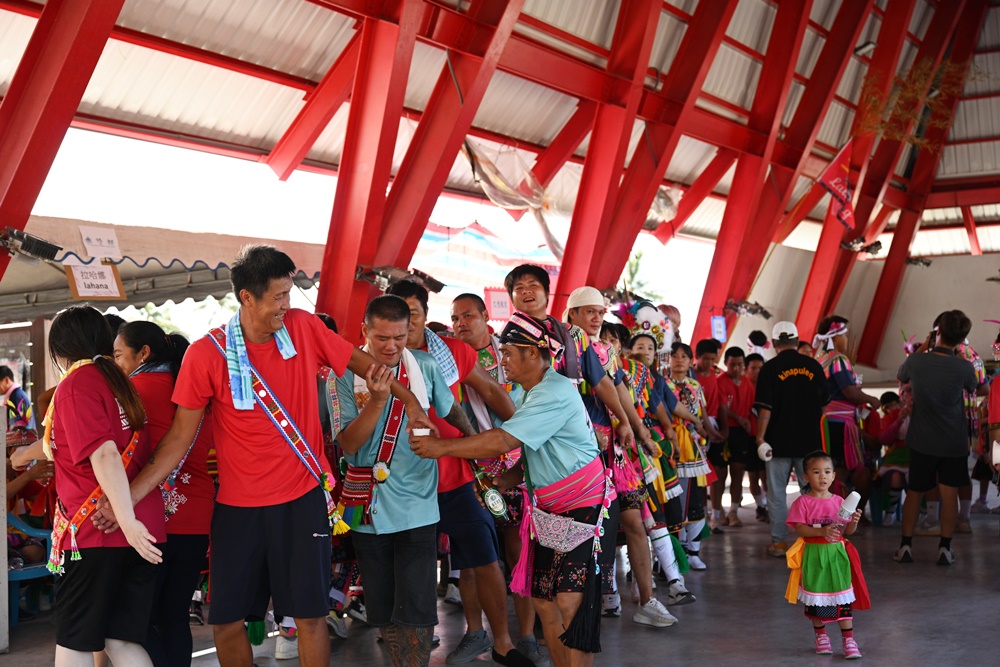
(314, 479)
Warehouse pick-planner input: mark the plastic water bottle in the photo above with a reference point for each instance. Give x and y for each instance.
(846, 511)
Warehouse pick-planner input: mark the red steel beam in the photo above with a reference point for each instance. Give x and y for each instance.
(963, 41)
(820, 273)
(560, 150)
(386, 51)
(802, 132)
(652, 156)
(447, 119)
(970, 228)
(783, 48)
(316, 114)
(631, 46)
(701, 188)
(43, 96)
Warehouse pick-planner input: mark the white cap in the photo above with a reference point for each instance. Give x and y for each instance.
(584, 296)
(784, 331)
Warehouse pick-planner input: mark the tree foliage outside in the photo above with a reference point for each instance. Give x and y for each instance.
(631, 282)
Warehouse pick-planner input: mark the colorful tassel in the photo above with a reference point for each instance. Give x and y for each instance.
(74, 548)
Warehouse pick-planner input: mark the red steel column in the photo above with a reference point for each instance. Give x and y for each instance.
(43, 96)
(963, 44)
(811, 308)
(970, 227)
(674, 107)
(386, 50)
(751, 170)
(602, 169)
(442, 129)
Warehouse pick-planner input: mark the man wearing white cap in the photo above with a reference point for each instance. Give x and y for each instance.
(586, 309)
(791, 393)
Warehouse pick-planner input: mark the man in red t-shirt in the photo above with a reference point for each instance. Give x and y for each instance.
(736, 393)
(270, 534)
(706, 353)
(475, 548)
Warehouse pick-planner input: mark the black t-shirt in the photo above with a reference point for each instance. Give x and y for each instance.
(937, 424)
(794, 388)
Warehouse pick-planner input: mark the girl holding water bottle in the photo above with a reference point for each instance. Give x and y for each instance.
(826, 573)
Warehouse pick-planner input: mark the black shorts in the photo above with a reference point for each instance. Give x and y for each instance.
(835, 445)
(927, 471)
(471, 530)
(554, 572)
(399, 573)
(717, 455)
(107, 594)
(982, 472)
(742, 449)
(280, 552)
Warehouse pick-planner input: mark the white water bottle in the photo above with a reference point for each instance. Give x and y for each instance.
(765, 452)
(846, 511)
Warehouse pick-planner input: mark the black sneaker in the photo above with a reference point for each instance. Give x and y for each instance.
(762, 514)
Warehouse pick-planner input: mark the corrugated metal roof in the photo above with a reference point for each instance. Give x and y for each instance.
(593, 20)
(970, 160)
(668, 38)
(689, 160)
(290, 36)
(733, 77)
(15, 31)
(751, 23)
(990, 36)
(706, 219)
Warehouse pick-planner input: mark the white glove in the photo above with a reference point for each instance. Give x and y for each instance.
(764, 452)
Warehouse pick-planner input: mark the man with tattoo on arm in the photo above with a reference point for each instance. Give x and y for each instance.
(475, 547)
(568, 482)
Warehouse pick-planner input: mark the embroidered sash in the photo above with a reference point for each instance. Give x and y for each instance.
(61, 524)
(359, 497)
(289, 431)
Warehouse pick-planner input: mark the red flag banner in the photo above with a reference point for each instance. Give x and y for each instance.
(835, 181)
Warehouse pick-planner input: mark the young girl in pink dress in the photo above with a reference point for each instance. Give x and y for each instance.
(826, 574)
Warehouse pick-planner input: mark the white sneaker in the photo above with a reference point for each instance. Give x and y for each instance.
(655, 614)
(611, 605)
(679, 594)
(696, 563)
(285, 648)
(888, 519)
(453, 596)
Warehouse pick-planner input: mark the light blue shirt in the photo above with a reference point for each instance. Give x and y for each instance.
(408, 499)
(555, 428)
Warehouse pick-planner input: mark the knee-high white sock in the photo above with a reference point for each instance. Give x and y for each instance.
(760, 499)
(664, 548)
(692, 536)
(614, 574)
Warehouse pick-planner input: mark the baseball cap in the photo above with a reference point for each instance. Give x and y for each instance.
(784, 331)
(584, 296)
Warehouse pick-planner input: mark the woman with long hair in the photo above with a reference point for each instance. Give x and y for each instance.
(151, 359)
(95, 430)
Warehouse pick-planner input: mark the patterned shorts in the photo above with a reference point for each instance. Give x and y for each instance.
(555, 572)
(633, 500)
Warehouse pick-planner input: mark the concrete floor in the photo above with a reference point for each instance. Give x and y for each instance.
(919, 616)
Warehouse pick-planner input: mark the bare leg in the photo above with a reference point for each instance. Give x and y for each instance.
(408, 646)
(523, 606)
(569, 604)
(467, 586)
(493, 595)
(862, 481)
(314, 642)
(101, 659)
(736, 485)
(949, 509)
(233, 645)
(552, 627)
(69, 658)
(127, 653)
(755, 481)
(638, 553)
(911, 512)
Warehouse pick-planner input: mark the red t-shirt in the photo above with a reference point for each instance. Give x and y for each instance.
(993, 409)
(709, 385)
(193, 495)
(738, 399)
(454, 472)
(86, 415)
(256, 464)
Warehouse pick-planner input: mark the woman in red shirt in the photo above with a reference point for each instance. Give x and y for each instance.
(95, 427)
(152, 359)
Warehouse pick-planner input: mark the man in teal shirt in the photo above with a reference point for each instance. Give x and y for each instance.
(558, 440)
(395, 535)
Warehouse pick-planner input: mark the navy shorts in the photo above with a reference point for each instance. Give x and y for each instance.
(470, 528)
(399, 573)
(280, 552)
